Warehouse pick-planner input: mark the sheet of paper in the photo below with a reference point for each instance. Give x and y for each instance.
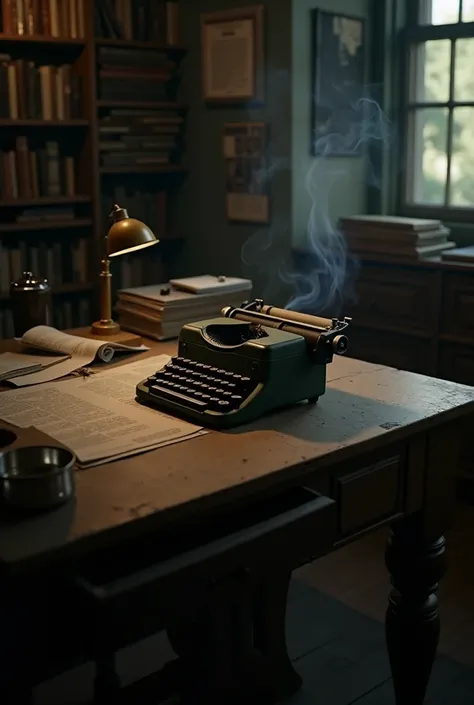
(81, 352)
(17, 363)
(62, 369)
(98, 417)
(11, 363)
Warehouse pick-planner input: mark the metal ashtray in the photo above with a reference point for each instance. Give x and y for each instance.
(37, 477)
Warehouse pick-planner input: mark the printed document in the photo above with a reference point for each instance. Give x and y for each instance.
(97, 417)
(79, 351)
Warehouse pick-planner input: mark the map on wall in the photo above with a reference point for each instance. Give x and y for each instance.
(337, 84)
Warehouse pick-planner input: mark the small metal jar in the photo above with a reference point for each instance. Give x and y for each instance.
(31, 303)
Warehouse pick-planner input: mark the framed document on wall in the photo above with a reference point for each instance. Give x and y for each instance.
(233, 55)
(247, 184)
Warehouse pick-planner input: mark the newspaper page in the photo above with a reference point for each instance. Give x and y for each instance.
(98, 417)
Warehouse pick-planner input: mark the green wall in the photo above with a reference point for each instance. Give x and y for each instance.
(349, 175)
(211, 243)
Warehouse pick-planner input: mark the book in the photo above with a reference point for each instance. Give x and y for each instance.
(408, 225)
(209, 284)
(460, 254)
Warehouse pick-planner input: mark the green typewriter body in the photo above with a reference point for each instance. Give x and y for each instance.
(233, 369)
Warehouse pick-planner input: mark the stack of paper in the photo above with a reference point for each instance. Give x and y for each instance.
(98, 417)
(18, 364)
(77, 352)
(160, 311)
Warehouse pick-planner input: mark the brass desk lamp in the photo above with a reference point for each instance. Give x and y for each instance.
(125, 235)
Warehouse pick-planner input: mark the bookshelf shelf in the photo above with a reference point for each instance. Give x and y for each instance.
(45, 225)
(145, 169)
(45, 201)
(152, 105)
(133, 44)
(41, 40)
(14, 123)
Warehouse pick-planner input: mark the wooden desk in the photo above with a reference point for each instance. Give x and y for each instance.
(381, 442)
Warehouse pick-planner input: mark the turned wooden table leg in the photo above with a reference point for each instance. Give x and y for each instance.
(416, 564)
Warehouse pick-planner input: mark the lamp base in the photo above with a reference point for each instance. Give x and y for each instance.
(105, 327)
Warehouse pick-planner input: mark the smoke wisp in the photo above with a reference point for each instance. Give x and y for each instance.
(323, 287)
(324, 282)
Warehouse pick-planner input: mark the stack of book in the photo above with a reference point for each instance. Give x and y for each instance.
(161, 310)
(131, 137)
(396, 237)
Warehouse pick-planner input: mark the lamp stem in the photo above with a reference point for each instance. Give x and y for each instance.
(105, 291)
(106, 326)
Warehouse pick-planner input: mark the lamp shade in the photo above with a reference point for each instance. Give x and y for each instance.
(127, 234)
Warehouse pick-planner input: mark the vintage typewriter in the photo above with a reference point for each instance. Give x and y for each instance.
(253, 360)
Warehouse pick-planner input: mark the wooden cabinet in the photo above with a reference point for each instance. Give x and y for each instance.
(418, 317)
(403, 352)
(397, 299)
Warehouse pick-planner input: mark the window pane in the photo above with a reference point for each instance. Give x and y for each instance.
(468, 11)
(429, 140)
(437, 60)
(440, 11)
(464, 70)
(431, 64)
(462, 160)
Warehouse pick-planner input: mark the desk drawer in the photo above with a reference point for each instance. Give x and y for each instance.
(284, 532)
(369, 495)
(401, 299)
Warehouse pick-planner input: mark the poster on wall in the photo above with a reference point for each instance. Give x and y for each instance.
(247, 184)
(337, 84)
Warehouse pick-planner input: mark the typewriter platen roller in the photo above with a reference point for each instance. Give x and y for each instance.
(251, 361)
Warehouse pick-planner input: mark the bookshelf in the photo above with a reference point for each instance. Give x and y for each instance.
(89, 116)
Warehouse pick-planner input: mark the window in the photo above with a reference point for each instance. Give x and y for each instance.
(439, 145)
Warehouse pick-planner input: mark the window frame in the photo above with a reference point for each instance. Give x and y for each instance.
(413, 35)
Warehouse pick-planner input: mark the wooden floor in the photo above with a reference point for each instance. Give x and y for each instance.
(356, 576)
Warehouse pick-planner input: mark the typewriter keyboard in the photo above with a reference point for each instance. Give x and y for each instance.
(198, 386)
